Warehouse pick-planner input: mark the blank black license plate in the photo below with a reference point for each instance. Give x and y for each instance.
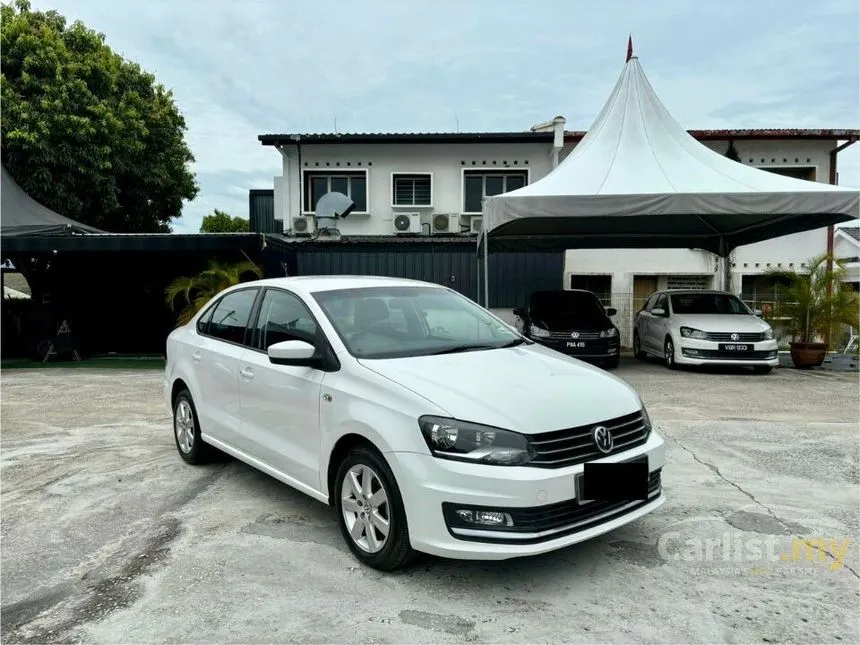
(618, 482)
(735, 347)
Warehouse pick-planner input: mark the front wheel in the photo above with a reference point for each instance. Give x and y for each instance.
(669, 354)
(370, 511)
(637, 346)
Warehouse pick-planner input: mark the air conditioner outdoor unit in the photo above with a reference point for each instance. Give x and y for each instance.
(303, 225)
(475, 225)
(446, 223)
(407, 223)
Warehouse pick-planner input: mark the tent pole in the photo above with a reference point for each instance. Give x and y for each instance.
(722, 263)
(486, 271)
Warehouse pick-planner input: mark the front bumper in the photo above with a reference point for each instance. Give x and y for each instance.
(707, 352)
(428, 485)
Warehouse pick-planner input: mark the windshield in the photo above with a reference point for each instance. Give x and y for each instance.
(395, 322)
(556, 305)
(708, 303)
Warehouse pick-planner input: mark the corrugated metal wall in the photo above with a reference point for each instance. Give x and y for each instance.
(261, 211)
(512, 275)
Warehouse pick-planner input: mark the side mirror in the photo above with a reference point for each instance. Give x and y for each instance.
(293, 352)
(658, 311)
(611, 311)
(758, 312)
(519, 312)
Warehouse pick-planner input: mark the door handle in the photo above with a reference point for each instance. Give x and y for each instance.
(196, 356)
(247, 373)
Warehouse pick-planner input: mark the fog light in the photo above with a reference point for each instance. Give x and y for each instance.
(690, 352)
(487, 518)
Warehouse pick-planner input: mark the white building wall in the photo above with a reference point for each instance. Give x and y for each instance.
(446, 162)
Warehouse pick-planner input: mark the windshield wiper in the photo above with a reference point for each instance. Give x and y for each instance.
(515, 342)
(458, 349)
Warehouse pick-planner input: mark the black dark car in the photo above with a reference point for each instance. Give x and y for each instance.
(572, 322)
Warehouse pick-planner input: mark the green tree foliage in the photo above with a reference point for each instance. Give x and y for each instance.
(196, 290)
(85, 132)
(816, 303)
(221, 222)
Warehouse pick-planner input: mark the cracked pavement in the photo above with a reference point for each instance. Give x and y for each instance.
(107, 536)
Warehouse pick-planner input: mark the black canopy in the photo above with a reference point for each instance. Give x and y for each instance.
(21, 215)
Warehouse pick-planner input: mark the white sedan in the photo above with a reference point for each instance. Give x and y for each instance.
(429, 424)
(698, 327)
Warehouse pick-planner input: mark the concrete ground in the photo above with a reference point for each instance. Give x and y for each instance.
(107, 536)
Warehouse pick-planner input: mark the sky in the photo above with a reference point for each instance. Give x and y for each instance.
(240, 68)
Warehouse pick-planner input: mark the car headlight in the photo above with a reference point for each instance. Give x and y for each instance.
(465, 441)
(646, 418)
(768, 334)
(689, 332)
(609, 333)
(538, 332)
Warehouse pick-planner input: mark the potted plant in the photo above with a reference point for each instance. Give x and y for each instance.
(813, 305)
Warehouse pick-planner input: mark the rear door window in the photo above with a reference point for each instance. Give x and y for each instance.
(231, 315)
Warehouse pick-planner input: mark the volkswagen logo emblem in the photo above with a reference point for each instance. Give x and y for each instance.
(602, 439)
(574, 334)
(734, 336)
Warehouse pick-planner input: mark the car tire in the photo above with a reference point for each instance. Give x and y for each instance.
(669, 354)
(395, 550)
(637, 346)
(763, 369)
(186, 432)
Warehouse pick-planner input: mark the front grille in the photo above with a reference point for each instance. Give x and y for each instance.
(726, 337)
(737, 356)
(566, 335)
(554, 520)
(560, 448)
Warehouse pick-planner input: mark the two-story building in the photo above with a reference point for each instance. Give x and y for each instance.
(432, 184)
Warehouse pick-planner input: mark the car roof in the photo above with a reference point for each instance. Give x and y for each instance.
(311, 283)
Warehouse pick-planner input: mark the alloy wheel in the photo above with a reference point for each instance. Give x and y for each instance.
(670, 354)
(365, 508)
(183, 425)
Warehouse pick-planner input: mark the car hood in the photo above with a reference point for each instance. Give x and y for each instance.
(528, 389)
(722, 322)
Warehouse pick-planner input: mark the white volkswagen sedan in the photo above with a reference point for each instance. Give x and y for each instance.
(429, 424)
(700, 327)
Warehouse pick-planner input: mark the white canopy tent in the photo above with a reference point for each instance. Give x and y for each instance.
(638, 179)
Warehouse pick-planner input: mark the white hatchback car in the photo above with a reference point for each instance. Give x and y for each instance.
(429, 424)
(702, 327)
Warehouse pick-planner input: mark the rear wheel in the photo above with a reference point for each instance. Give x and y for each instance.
(637, 346)
(186, 431)
(370, 511)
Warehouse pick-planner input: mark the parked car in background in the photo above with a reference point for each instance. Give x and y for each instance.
(426, 422)
(698, 327)
(572, 322)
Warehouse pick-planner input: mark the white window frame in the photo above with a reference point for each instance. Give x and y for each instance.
(487, 170)
(405, 173)
(334, 172)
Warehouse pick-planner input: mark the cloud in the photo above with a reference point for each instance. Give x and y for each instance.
(239, 69)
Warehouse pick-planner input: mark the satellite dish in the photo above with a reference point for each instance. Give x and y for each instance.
(334, 205)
